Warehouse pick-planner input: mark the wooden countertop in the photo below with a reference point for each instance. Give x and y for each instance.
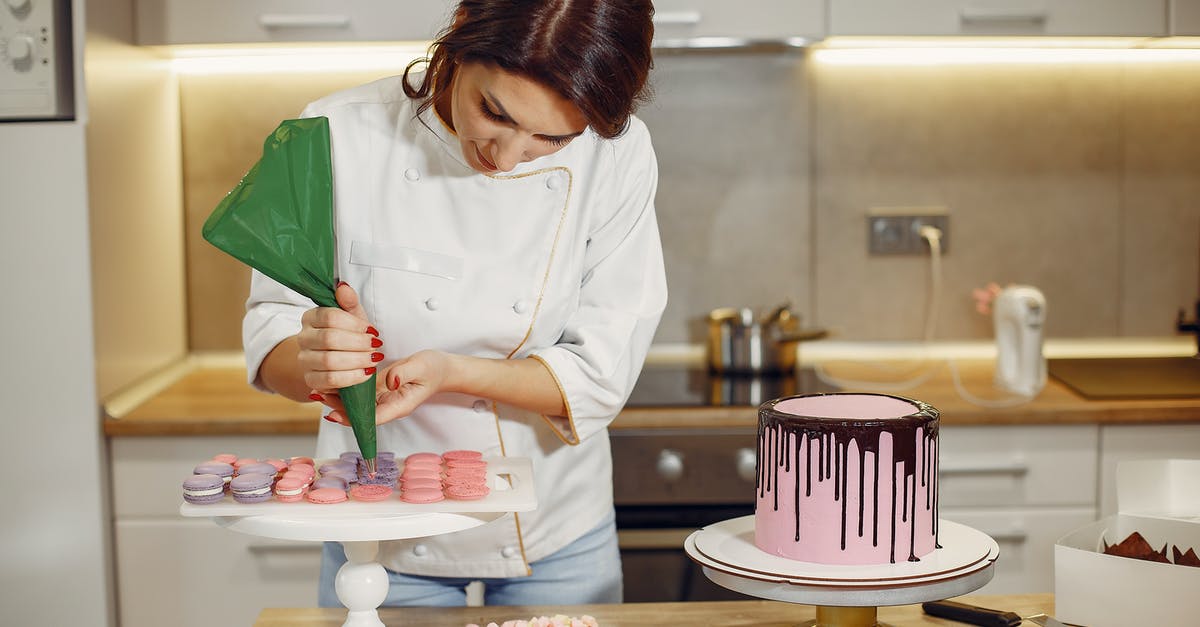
(208, 399)
(707, 613)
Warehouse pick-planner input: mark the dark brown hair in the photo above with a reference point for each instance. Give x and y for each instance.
(594, 53)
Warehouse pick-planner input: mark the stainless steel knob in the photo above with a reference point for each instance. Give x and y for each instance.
(747, 464)
(670, 464)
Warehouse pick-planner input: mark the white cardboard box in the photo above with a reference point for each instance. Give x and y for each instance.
(1161, 500)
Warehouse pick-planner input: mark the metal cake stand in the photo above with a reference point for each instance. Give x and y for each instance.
(362, 583)
(845, 596)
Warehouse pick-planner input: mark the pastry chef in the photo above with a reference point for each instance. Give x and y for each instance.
(503, 277)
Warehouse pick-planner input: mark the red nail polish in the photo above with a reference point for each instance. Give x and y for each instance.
(341, 283)
(376, 342)
(376, 356)
(370, 371)
(329, 418)
(373, 331)
(316, 397)
(394, 382)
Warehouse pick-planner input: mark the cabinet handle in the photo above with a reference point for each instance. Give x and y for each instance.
(263, 549)
(677, 18)
(994, 468)
(993, 15)
(272, 21)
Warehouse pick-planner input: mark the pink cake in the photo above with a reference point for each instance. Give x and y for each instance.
(847, 479)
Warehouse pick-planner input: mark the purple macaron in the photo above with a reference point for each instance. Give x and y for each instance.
(331, 481)
(261, 468)
(221, 469)
(251, 487)
(203, 489)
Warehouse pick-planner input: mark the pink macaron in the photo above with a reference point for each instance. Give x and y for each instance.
(421, 495)
(290, 490)
(424, 458)
(412, 484)
(326, 496)
(225, 458)
(461, 454)
(467, 492)
(466, 463)
(369, 493)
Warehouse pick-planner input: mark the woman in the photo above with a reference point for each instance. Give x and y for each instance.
(503, 271)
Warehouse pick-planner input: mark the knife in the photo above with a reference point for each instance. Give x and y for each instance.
(983, 616)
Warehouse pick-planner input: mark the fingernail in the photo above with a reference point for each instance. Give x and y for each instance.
(341, 283)
(370, 371)
(376, 342)
(373, 331)
(330, 418)
(394, 382)
(376, 356)
(316, 397)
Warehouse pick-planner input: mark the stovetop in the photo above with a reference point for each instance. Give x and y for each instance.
(694, 386)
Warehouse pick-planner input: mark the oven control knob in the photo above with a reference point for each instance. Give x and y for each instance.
(670, 464)
(747, 461)
(19, 50)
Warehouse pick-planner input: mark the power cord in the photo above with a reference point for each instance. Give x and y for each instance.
(933, 236)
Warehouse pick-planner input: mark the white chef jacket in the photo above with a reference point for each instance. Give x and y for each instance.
(559, 260)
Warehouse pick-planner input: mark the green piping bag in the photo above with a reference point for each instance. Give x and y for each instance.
(279, 221)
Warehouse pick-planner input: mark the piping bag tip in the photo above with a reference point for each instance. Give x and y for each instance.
(370, 466)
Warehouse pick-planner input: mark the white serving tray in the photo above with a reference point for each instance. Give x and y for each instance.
(511, 480)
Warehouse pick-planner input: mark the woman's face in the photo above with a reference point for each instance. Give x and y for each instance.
(502, 119)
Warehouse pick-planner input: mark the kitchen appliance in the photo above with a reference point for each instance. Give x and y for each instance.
(36, 75)
(741, 343)
(1019, 314)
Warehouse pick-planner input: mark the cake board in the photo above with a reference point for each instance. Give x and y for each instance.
(845, 596)
(362, 583)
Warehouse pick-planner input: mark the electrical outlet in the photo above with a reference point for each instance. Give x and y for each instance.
(897, 230)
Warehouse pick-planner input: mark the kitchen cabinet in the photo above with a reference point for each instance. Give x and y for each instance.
(1185, 18)
(999, 17)
(1023, 486)
(189, 572)
(676, 20)
(159, 22)
(1128, 442)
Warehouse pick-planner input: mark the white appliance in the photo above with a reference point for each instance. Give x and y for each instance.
(36, 68)
(1019, 314)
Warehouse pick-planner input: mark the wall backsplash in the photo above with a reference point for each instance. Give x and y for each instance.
(1083, 180)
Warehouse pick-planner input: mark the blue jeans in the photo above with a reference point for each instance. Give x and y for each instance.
(586, 571)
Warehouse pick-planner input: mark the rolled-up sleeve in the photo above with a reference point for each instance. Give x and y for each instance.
(273, 314)
(623, 293)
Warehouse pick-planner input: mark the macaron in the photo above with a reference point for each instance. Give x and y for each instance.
(385, 456)
(421, 495)
(461, 455)
(326, 496)
(295, 474)
(338, 466)
(225, 458)
(467, 491)
(369, 493)
(279, 464)
(331, 481)
(424, 457)
(261, 468)
(221, 469)
(251, 487)
(460, 479)
(242, 461)
(306, 469)
(411, 484)
(466, 463)
(203, 489)
(421, 473)
(350, 456)
(290, 490)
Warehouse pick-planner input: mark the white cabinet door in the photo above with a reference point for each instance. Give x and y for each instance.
(1017, 466)
(1026, 538)
(998, 17)
(1127, 442)
(192, 573)
(160, 22)
(749, 19)
(1185, 17)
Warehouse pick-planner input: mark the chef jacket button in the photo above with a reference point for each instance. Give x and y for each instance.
(412, 174)
(554, 182)
(508, 551)
(431, 304)
(521, 306)
(420, 550)
(480, 405)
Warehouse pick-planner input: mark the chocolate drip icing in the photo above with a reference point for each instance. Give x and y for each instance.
(782, 435)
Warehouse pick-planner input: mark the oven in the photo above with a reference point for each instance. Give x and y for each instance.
(669, 482)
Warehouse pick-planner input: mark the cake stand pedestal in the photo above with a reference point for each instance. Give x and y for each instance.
(845, 596)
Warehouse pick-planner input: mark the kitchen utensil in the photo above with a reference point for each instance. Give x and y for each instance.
(975, 615)
(741, 343)
(1019, 313)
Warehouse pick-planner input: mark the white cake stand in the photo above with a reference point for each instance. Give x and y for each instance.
(845, 596)
(362, 582)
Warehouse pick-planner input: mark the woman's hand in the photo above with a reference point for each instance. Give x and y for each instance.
(403, 386)
(337, 347)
